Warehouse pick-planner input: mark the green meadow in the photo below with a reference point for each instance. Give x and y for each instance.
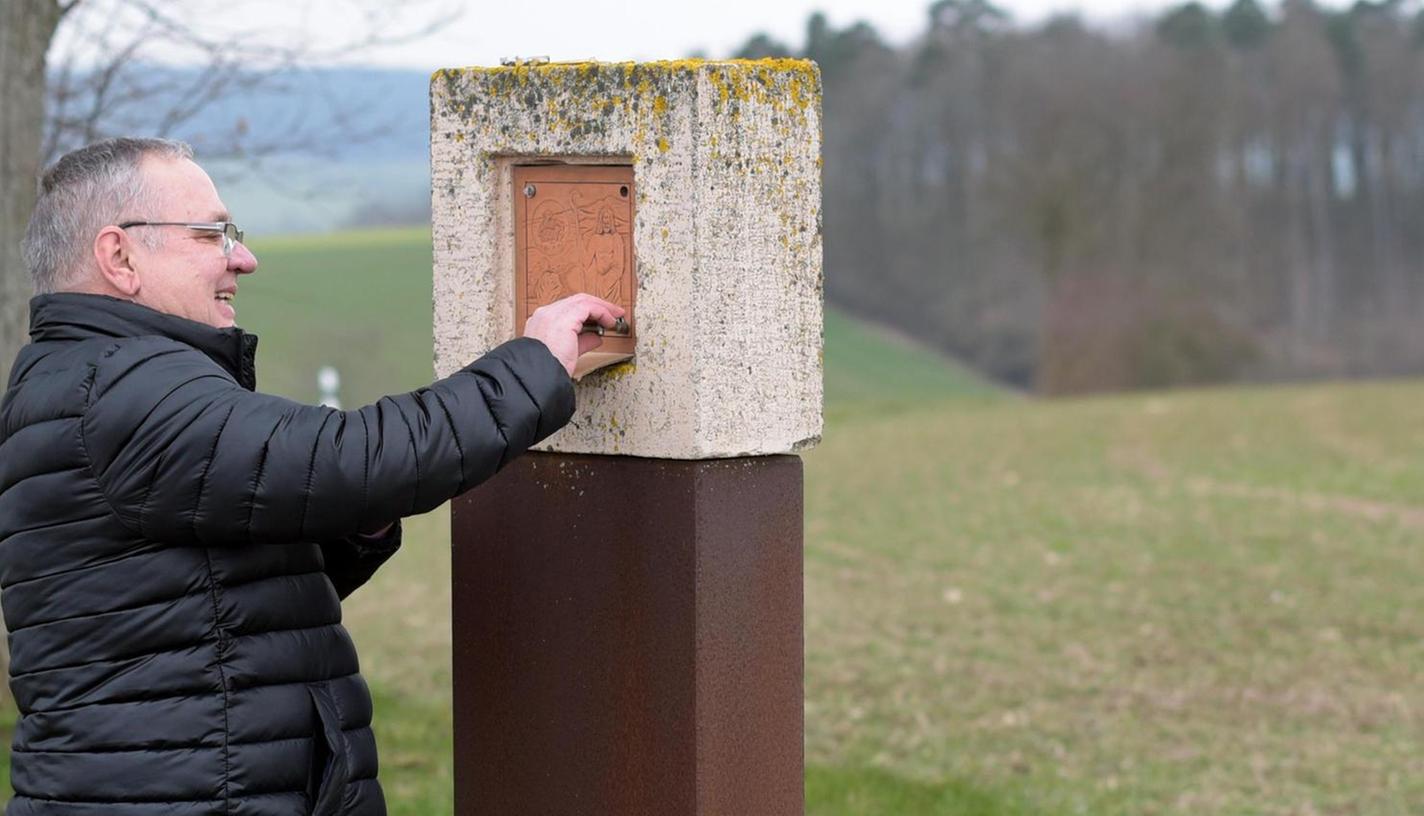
(1190, 602)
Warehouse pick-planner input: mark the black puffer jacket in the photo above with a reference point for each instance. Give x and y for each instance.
(173, 547)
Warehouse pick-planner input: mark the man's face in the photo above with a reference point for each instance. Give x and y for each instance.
(187, 275)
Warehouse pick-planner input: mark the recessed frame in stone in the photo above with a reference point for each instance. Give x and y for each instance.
(573, 232)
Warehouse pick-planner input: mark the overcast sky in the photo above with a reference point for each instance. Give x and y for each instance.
(484, 32)
(658, 29)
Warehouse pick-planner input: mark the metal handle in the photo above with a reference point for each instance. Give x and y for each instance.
(620, 326)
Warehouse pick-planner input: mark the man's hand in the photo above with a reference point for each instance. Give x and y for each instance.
(559, 326)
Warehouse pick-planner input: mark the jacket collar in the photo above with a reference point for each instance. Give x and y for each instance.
(76, 316)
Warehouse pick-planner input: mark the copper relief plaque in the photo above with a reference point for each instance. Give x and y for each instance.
(573, 232)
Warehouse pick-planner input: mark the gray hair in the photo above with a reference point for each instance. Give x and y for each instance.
(83, 192)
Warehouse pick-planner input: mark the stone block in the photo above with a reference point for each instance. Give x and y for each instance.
(726, 230)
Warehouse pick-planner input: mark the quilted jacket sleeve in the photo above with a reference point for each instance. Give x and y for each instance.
(351, 561)
(185, 455)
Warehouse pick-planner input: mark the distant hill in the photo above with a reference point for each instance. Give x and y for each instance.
(347, 113)
(362, 139)
(372, 129)
(870, 368)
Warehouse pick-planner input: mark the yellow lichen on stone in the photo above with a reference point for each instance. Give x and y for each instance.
(617, 371)
(724, 89)
(787, 85)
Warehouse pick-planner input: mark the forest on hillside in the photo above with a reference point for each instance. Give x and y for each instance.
(1212, 195)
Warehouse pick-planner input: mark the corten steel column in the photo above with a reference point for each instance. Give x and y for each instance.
(628, 600)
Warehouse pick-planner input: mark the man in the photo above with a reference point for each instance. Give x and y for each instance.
(173, 545)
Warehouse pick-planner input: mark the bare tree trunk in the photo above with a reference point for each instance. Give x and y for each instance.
(1302, 296)
(26, 27)
(1322, 267)
(1394, 294)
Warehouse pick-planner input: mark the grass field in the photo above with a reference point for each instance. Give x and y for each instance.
(1196, 602)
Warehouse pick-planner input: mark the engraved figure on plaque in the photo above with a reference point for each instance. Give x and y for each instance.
(604, 252)
(549, 288)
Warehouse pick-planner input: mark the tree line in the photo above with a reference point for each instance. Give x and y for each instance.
(1212, 195)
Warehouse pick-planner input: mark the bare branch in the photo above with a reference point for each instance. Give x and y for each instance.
(101, 84)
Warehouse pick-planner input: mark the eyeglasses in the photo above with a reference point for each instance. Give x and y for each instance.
(231, 235)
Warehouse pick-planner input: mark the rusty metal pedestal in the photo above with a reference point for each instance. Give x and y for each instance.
(628, 638)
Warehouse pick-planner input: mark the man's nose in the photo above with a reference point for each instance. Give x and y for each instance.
(242, 261)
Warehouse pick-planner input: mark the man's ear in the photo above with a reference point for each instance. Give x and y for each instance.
(111, 252)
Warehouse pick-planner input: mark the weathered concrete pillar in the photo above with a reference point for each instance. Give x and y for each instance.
(628, 602)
